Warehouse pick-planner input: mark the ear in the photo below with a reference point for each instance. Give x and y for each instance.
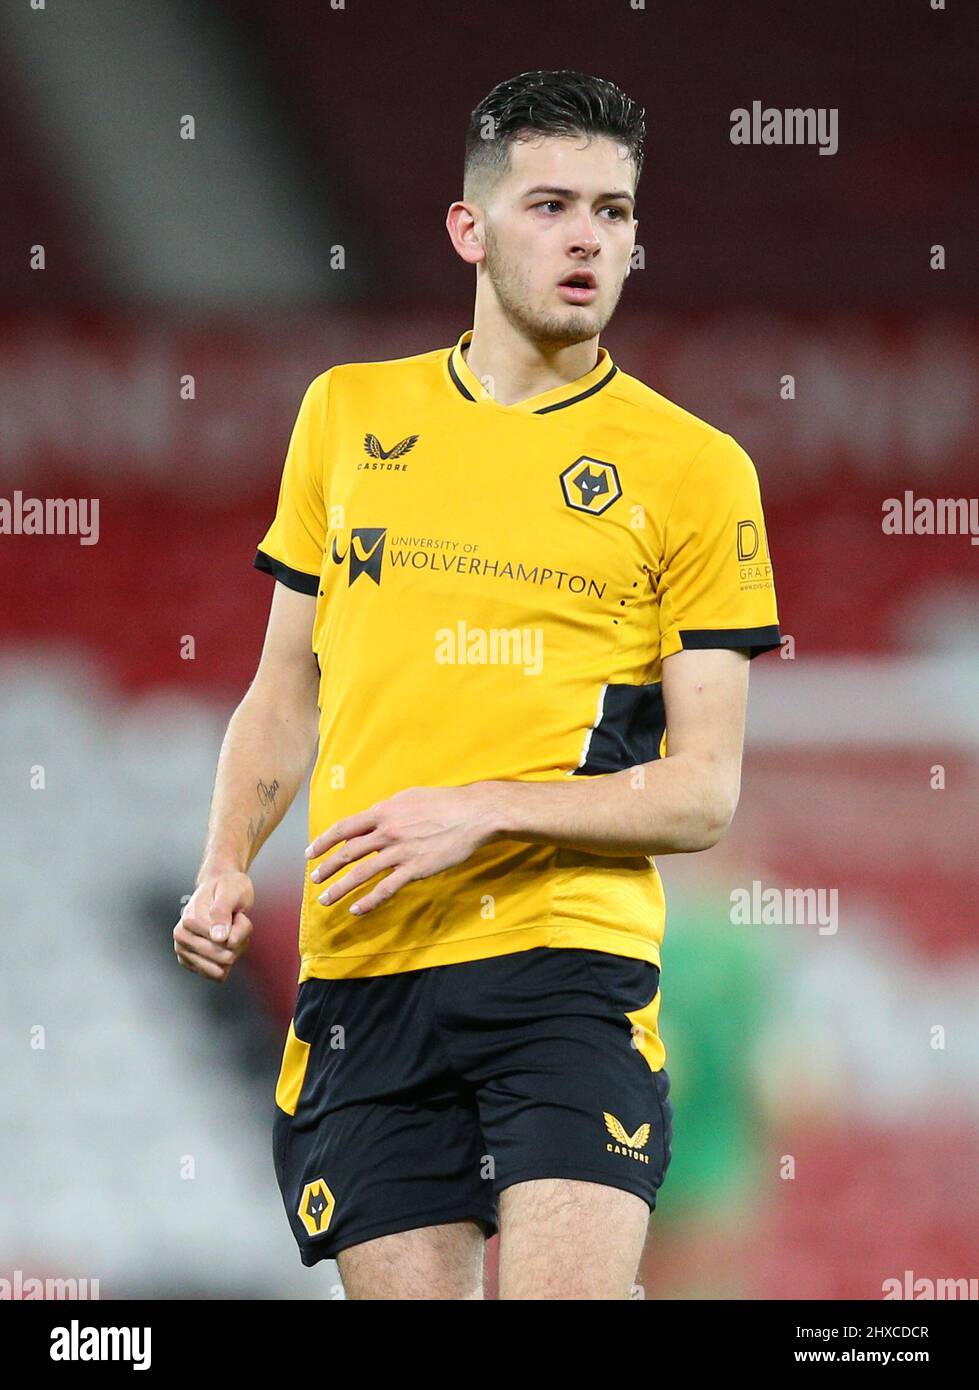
(635, 229)
(463, 222)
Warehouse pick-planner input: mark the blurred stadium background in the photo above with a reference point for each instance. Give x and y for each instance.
(136, 1141)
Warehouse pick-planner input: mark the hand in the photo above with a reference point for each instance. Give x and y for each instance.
(213, 930)
(415, 833)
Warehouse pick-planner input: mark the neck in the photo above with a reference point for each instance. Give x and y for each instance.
(514, 367)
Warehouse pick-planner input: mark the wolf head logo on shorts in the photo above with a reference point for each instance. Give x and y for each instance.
(626, 1143)
(316, 1207)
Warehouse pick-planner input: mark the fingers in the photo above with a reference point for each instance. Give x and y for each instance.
(195, 920)
(214, 903)
(345, 829)
(385, 889)
(194, 935)
(208, 958)
(360, 873)
(191, 961)
(231, 892)
(352, 849)
(200, 956)
(194, 943)
(241, 930)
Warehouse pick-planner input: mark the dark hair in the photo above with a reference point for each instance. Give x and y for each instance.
(551, 103)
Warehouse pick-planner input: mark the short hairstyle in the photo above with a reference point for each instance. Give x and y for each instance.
(549, 103)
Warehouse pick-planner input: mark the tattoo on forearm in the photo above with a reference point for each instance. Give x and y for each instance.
(266, 793)
(266, 798)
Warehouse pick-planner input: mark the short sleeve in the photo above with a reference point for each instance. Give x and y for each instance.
(292, 547)
(716, 587)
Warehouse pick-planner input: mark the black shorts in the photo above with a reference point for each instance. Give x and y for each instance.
(413, 1099)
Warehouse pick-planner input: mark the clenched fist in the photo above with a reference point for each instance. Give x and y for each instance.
(213, 930)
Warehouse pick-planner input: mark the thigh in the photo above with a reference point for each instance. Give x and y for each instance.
(568, 1239)
(432, 1262)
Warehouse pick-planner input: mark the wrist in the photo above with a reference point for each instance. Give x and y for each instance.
(216, 865)
(498, 814)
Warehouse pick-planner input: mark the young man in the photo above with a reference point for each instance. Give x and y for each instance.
(506, 569)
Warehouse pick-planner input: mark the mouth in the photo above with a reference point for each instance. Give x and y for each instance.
(578, 287)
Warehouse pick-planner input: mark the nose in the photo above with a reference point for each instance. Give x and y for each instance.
(585, 237)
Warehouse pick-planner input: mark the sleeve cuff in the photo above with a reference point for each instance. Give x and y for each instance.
(299, 580)
(755, 639)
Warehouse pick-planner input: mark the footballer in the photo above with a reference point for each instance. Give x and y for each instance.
(517, 595)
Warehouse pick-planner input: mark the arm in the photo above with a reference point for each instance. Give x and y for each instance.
(266, 752)
(270, 740)
(676, 804)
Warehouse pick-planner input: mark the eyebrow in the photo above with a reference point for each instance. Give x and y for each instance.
(621, 195)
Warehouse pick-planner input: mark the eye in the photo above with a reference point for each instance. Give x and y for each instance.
(619, 214)
(550, 203)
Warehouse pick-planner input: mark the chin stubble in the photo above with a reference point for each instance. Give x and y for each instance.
(543, 327)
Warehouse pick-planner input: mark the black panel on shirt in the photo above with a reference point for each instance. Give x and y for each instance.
(630, 729)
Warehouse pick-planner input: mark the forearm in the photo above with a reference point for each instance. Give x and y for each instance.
(674, 805)
(264, 759)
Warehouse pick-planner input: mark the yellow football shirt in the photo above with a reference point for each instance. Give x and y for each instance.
(497, 587)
